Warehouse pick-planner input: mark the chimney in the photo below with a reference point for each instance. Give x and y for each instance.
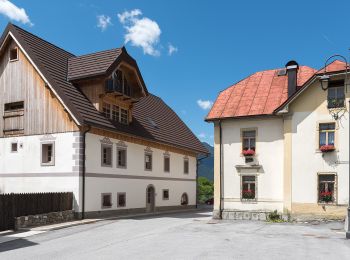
(292, 71)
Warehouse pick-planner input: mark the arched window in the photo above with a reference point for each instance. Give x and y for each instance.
(184, 199)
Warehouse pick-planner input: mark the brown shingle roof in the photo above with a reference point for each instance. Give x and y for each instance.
(93, 64)
(52, 62)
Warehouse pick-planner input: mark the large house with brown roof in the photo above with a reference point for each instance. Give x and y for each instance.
(282, 143)
(87, 124)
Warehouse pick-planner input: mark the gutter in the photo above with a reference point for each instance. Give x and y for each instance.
(84, 172)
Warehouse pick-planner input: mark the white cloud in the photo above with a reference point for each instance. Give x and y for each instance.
(103, 21)
(141, 32)
(13, 12)
(204, 104)
(202, 135)
(171, 49)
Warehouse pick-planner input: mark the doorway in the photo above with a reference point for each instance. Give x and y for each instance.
(150, 199)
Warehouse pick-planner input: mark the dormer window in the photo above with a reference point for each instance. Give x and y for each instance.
(14, 54)
(115, 113)
(118, 83)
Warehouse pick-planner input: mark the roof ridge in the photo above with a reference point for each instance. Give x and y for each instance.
(97, 52)
(54, 45)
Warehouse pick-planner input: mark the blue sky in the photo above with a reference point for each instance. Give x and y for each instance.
(214, 43)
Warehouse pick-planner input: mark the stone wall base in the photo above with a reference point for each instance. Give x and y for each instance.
(244, 215)
(134, 211)
(43, 219)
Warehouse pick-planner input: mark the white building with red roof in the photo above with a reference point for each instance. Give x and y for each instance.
(282, 143)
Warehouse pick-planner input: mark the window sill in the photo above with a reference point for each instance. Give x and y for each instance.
(106, 165)
(327, 203)
(121, 167)
(249, 201)
(319, 151)
(47, 164)
(106, 207)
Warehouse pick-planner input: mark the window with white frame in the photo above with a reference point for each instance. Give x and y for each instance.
(124, 116)
(106, 200)
(121, 154)
(248, 189)
(106, 155)
(115, 113)
(326, 134)
(106, 109)
(336, 94)
(326, 188)
(186, 166)
(148, 161)
(47, 154)
(248, 140)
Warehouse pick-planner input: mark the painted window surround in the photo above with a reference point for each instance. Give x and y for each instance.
(317, 135)
(256, 139)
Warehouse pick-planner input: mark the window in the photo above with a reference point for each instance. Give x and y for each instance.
(106, 108)
(121, 199)
(14, 54)
(14, 147)
(166, 163)
(115, 113)
(148, 161)
(106, 155)
(327, 134)
(336, 95)
(121, 152)
(326, 188)
(248, 187)
(165, 194)
(124, 116)
(186, 166)
(47, 154)
(106, 200)
(9, 107)
(184, 199)
(249, 140)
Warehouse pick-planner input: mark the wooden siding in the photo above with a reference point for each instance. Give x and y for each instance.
(43, 113)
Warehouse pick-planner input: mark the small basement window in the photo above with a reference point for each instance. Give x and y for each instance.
(14, 54)
(14, 147)
(165, 194)
(106, 200)
(47, 154)
(121, 199)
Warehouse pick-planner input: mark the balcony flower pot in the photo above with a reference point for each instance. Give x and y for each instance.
(327, 148)
(248, 152)
(248, 194)
(326, 196)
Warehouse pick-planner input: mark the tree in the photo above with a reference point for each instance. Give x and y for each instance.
(205, 189)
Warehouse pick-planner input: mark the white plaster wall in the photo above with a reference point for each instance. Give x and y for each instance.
(15, 166)
(136, 188)
(136, 192)
(269, 154)
(307, 161)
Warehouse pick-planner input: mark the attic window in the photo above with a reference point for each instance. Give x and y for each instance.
(14, 54)
(282, 72)
(152, 123)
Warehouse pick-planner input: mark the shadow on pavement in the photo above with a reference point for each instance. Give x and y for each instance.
(15, 244)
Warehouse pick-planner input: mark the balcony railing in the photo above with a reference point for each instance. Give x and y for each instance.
(112, 86)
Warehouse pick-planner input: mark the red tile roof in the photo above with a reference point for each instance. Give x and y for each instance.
(336, 65)
(258, 94)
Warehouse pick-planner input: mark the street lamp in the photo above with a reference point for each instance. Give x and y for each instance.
(324, 80)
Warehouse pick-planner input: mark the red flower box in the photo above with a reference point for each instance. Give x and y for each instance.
(326, 196)
(327, 148)
(248, 152)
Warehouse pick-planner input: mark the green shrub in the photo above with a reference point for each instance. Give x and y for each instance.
(274, 217)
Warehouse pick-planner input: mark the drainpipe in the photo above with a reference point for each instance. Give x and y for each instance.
(348, 226)
(84, 172)
(197, 164)
(221, 173)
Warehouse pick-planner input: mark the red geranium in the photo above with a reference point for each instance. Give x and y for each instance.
(326, 196)
(248, 152)
(327, 148)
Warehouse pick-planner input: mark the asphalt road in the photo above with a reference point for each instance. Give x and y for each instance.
(183, 236)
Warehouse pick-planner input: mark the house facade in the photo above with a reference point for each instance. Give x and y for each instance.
(282, 143)
(88, 125)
